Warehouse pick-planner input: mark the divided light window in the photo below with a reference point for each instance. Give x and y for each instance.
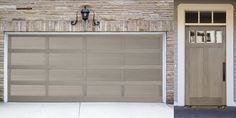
(191, 17)
(205, 17)
(219, 17)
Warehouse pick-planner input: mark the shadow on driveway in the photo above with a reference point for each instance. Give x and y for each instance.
(181, 112)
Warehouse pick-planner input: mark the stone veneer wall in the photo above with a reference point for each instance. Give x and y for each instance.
(115, 15)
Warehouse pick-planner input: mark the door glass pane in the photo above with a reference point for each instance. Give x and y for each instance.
(205, 17)
(219, 17)
(200, 37)
(191, 17)
(219, 36)
(192, 36)
(210, 36)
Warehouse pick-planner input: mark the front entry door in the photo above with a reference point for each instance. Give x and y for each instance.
(205, 66)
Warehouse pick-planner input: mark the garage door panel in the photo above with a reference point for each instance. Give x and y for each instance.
(144, 51)
(65, 59)
(32, 42)
(101, 42)
(143, 91)
(28, 59)
(65, 42)
(143, 59)
(27, 75)
(65, 91)
(104, 59)
(104, 74)
(65, 75)
(103, 91)
(27, 90)
(143, 75)
(143, 42)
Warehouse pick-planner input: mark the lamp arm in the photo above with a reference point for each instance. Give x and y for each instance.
(95, 22)
(74, 22)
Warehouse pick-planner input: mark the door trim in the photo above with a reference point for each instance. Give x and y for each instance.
(180, 98)
(6, 35)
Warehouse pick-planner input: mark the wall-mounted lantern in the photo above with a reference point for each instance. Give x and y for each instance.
(85, 15)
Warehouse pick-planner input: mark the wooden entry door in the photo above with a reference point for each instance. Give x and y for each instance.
(205, 66)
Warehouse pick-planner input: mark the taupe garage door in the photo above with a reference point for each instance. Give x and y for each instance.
(95, 67)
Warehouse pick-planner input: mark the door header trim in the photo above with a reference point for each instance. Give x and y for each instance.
(82, 33)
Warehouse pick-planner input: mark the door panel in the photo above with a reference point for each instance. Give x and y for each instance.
(27, 90)
(205, 55)
(28, 59)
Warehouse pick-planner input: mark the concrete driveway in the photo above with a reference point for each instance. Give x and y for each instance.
(86, 110)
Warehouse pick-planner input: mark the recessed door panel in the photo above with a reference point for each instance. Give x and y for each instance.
(28, 59)
(27, 75)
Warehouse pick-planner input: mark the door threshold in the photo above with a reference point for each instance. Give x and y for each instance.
(205, 106)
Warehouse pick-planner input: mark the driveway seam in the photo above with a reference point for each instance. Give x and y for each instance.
(79, 109)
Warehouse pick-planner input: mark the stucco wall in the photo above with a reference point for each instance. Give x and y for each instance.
(233, 2)
(115, 15)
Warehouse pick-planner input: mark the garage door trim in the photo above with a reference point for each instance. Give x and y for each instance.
(7, 34)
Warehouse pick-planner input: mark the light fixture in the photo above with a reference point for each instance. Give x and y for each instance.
(85, 15)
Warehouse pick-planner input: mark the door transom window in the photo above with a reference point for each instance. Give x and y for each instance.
(213, 17)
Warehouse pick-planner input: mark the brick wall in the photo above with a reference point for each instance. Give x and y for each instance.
(115, 15)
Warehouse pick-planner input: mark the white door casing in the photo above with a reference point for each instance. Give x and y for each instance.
(181, 47)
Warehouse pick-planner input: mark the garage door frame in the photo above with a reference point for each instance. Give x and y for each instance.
(7, 34)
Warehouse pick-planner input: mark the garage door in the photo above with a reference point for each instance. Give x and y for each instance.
(107, 67)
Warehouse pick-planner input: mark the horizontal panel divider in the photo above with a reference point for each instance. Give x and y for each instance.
(63, 83)
(139, 83)
(96, 51)
(122, 51)
(124, 67)
(68, 83)
(45, 50)
(89, 83)
(27, 67)
(83, 99)
(13, 82)
(88, 67)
